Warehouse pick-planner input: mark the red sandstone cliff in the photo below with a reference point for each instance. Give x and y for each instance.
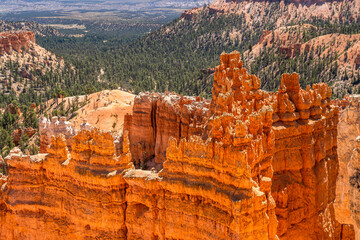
(249, 165)
(32, 61)
(17, 41)
(158, 117)
(347, 195)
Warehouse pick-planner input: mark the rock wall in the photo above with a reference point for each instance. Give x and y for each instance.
(354, 191)
(17, 41)
(249, 165)
(216, 186)
(348, 131)
(158, 117)
(65, 195)
(305, 161)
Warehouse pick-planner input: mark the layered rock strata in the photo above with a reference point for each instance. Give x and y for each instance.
(305, 161)
(249, 165)
(218, 185)
(63, 195)
(158, 117)
(354, 191)
(17, 41)
(347, 195)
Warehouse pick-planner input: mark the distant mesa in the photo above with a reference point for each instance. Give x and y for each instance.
(189, 14)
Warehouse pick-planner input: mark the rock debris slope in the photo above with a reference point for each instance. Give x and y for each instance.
(248, 165)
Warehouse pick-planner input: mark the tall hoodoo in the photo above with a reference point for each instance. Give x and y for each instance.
(305, 161)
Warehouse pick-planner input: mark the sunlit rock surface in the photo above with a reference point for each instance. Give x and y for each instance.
(17, 41)
(248, 165)
(347, 194)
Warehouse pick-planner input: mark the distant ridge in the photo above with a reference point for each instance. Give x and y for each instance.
(34, 27)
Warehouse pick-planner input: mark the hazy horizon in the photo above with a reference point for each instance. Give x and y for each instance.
(11, 6)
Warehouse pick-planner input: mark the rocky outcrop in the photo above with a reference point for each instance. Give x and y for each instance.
(158, 117)
(55, 127)
(13, 109)
(16, 135)
(214, 186)
(17, 41)
(354, 191)
(189, 14)
(305, 161)
(25, 74)
(248, 165)
(291, 50)
(66, 194)
(347, 195)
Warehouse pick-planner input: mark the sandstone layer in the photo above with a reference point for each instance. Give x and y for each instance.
(58, 196)
(17, 41)
(347, 194)
(104, 109)
(158, 117)
(305, 161)
(248, 165)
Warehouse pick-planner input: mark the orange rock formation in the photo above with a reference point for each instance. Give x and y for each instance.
(156, 118)
(10, 41)
(249, 165)
(347, 203)
(305, 161)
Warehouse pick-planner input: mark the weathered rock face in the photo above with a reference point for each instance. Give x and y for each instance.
(354, 191)
(66, 194)
(305, 161)
(12, 109)
(216, 186)
(248, 165)
(17, 41)
(347, 195)
(158, 117)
